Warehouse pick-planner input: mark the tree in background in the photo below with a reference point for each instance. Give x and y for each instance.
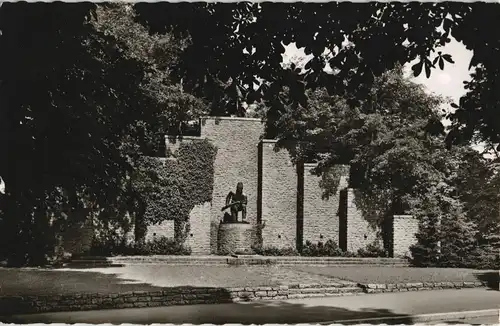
(72, 117)
(395, 143)
(73, 105)
(242, 45)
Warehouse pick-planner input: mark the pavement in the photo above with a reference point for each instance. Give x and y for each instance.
(407, 306)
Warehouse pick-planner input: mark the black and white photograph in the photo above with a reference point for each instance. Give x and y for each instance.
(250, 162)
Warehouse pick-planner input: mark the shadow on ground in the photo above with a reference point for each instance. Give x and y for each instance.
(18, 282)
(491, 279)
(243, 313)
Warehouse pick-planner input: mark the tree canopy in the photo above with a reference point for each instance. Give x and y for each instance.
(78, 103)
(241, 44)
(84, 88)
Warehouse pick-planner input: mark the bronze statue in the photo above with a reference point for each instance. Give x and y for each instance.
(237, 202)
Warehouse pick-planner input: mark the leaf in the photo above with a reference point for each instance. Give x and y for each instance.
(453, 105)
(427, 69)
(417, 68)
(441, 63)
(448, 58)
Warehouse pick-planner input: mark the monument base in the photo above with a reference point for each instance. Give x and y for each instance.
(235, 238)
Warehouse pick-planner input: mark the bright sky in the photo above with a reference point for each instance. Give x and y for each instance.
(447, 82)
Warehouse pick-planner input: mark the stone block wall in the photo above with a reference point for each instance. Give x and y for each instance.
(237, 141)
(164, 229)
(199, 237)
(360, 229)
(279, 197)
(405, 228)
(321, 215)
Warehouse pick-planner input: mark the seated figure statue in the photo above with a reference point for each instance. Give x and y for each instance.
(237, 202)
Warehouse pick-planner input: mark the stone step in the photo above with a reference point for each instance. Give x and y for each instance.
(333, 290)
(261, 260)
(83, 257)
(96, 265)
(324, 294)
(338, 264)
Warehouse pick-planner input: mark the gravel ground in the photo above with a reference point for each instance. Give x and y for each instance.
(155, 277)
(145, 278)
(369, 274)
(216, 276)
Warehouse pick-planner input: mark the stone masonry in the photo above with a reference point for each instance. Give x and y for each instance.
(285, 202)
(279, 198)
(204, 295)
(271, 182)
(405, 229)
(361, 231)
(321, 215)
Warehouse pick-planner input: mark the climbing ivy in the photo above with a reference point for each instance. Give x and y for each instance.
(170, 188)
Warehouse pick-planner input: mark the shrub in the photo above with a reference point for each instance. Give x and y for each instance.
(157, 246)
(458, 241)
(273, 251)
(372, 250)
(426, 253)
(328, 249)
(163, 246)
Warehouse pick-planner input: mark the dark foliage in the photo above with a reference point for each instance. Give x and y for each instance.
(320, 249)
(169, 189)
(372, 250)
(273, 251)
(156, 246)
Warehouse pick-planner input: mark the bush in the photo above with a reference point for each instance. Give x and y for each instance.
(273, 251)
(328, 249)
(458, 241)
(157, 246)
(484, 257)
(426, 252)
(372, 250)
(163, 246)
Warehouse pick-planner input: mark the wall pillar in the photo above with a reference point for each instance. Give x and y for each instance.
(404, 236)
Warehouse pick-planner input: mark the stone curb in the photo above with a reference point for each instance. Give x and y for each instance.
(169, 297)
(424, 318)
(188, 296)
(417, 286)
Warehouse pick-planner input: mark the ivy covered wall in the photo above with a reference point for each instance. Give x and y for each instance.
(172, 187)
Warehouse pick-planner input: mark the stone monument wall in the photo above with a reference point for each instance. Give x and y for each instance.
(271, 184)
(163, 229)
(199, 237)
(279, 197)
(361, 231)
(321, 215)
(237, 141)
(405, 229)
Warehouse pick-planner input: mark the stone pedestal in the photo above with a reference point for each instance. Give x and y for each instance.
(235, 238)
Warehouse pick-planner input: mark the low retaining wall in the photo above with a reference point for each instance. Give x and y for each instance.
(419, 286)
(187, 296)
(168, 297)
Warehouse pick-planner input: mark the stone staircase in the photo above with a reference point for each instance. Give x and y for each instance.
(90, 262)
(341, 261)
